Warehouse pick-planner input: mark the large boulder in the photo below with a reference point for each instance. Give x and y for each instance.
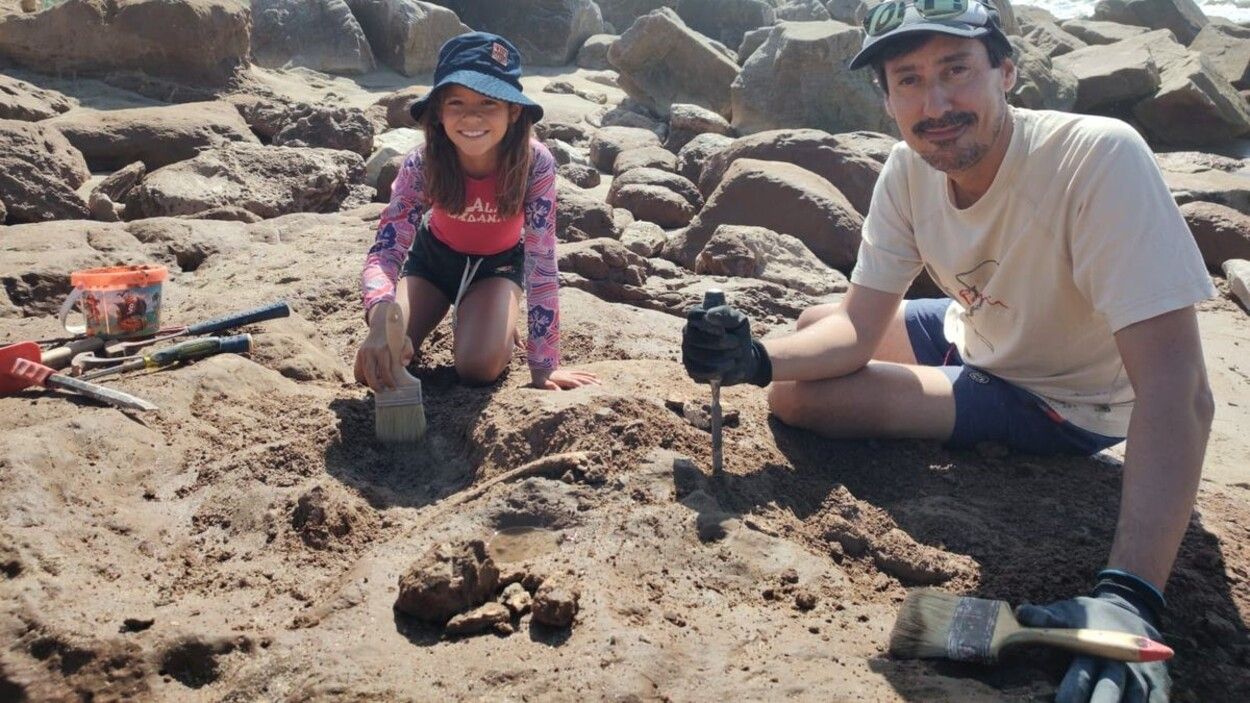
(20, 100)
(580, 215)
(267, 181)
(662, 61)
(622, 13)
(1195, 105)
(1221, 232)
(608, 143)
(387, 147)
(1194, 176)
(1227, 47)
(191, 41)
(812, 210)
(1040, 85)
(798, 79)
(546, 32)
(756, 252)
(157, 136)
(726, 20)
(801, 11)
(594, 52)
(328, 127)
(695, 154)
(39, 173)
(319, 34)
(653, 195)
(1237, 271)
(406, 34)
(396, 105)
(839, 159)
(1111, 75)
(685, 122)
(1097, 32)
(1183, 17)
(1052, 40)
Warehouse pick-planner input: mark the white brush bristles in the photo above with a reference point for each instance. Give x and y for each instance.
(923, 625)
(399, 415)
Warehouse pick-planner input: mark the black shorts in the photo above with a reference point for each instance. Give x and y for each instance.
(443, 266)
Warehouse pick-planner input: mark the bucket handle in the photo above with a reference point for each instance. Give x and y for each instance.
(66, 307)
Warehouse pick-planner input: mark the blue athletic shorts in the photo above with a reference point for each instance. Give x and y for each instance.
(987, 408)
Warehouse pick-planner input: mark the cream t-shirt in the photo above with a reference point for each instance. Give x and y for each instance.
(1077, 238)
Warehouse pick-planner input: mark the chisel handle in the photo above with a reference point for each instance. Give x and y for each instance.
(60, 357)
(198, 349)
(271, 311)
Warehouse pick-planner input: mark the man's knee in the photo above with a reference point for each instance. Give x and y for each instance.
(786, 402)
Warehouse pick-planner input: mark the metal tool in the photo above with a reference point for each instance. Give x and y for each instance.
(20, 367)
(182, 351)
(715, 297)
(232, 320)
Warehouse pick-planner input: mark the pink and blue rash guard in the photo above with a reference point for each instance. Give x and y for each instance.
(409, 203)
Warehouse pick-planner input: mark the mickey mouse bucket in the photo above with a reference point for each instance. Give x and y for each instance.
(117, 302)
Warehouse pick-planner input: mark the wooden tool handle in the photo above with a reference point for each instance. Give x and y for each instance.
(396, 334)
(60, 357)
(1107, 644)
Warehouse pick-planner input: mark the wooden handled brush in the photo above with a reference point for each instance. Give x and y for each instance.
(399, 415)
(933, 624)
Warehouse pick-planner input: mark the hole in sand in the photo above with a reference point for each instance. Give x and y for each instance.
(521, 542)
(193, 664)
(11, 569)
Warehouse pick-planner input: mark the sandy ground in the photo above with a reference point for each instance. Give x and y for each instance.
(166, 556)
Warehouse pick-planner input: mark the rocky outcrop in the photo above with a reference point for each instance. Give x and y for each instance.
(1221, 232)
(1182, 17)
(546, 32)
(662, 61)
(192, 41)
(756, 252)
(594, 52)
(328, 127)
(39, 172)
(622, 13)
(20, 100)
(581, 216)
(653, 195)
(406, 34)
(788, 82)
(157, 136)
(815, 212)
(842, 160)
(726, 20)
(319, 34)
(685, 122)
(1194, 176)
(266, 181)
(1227, 47)
(1194, 105)
(1094, 32)
(696, 153)
(1040, 85)
(1111, 75)
(608, 144)
(1051, 40)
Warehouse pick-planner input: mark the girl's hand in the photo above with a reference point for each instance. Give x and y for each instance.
(373, 359)
(567, 379)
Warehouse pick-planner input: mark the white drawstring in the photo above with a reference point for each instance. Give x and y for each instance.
(470, 270)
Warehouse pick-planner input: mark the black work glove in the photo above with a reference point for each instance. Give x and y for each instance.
(716, 345)
(1120, 602)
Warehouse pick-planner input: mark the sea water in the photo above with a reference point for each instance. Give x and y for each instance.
(1235, 10)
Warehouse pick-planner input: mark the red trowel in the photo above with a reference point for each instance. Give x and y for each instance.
(20, 367)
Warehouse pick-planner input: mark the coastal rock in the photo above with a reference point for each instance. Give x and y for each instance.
(447, 580)
(1095, 32)
(1227, 47)
(322, 35)
(267, 181)
(546, 32)
(396, 106)
(157, 136)
(1040, 85)
(1194, 105)
(406, 34)
(757, 252)
(1222, 233)
(1111, 75)
(621, 14)
(39, 173)
(662, 61)
(1183, 17)
(488, 616)
(657, 177)
(645, 157)
(801, 11)
(580, 215)
(1197, 176)
(20, 100)
(1237, 271)
(817, 213)
(327, 127)
(556, 604)
(843, 160)
(609, 142)
(117, 185)
(1052, 40)
(191, 41)
(726, 20)
(656, 204)
(646, 239)
(787, 82)
(685, 122)
(697, 152)
(594, 52)
(389, 147)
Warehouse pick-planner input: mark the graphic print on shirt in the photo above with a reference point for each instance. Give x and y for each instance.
(972, 294)
(479, 211)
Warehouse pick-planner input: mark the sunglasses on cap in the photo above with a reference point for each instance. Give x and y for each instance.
(888, 15)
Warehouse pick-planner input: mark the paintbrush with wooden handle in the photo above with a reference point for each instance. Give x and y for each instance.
(934, 624)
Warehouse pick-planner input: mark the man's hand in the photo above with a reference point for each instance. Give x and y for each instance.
(716, 345)
(1119, 604)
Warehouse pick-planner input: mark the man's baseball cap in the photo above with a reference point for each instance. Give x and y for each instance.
(484, 62)
(883, 24)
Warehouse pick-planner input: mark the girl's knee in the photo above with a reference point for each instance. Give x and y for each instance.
(480, 369)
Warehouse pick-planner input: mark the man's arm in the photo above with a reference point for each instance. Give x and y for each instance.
(1167, 438)
(838, 344)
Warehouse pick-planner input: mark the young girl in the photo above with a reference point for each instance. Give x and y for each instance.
(490, 193)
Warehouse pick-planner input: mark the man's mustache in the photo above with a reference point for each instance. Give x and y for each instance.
(950, 119)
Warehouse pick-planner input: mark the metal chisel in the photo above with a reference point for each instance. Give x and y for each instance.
(715, 297)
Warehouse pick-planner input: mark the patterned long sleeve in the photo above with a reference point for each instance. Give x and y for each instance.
(396, 230)
(542, 284)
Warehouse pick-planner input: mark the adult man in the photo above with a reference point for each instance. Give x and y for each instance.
(1069, 325)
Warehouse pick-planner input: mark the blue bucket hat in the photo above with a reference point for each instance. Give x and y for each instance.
(484, 62)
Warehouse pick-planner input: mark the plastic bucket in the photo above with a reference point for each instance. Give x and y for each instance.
(117, 302)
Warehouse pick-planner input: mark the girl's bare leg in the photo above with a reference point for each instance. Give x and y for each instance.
(424, 305)
(485, 330)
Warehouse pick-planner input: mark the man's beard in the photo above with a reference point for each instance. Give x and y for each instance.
(948, 157)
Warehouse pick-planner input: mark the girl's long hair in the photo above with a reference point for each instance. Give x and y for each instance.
(444, 179)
